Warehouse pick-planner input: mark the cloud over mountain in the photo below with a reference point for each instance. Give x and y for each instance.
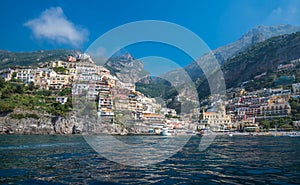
(287, 12)
(54, 26)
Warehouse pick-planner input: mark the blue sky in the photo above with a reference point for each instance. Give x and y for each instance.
(29, 25)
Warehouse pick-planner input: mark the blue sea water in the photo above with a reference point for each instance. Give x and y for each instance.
(57, 159)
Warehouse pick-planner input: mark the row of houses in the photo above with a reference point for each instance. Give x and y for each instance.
(245, 111)
(44, 78)
(112, 95)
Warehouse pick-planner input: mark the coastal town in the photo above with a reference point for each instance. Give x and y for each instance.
(254, 111)
(118, 102)
(111, 96)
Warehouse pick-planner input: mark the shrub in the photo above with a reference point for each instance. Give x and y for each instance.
(21, 116)
(60, 70)
(44, 93)
(6, 107)
(65, 92)
(35, 116)
(2, 82)
(17, 116)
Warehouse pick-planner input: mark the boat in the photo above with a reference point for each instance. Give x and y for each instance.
(286, 134)
(204, 132)
(277, 134)
(293, 134)
(168, 132)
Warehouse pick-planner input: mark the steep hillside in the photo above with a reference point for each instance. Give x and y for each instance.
(9, 59)
(256, 35)
(262, 57)
(127, 69)
(157, 87)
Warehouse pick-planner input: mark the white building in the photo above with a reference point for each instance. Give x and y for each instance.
(26, 75)
(62, 99)
(216, 119)
(85, 68)
(6, 74)
(88, 77)
(296, 87)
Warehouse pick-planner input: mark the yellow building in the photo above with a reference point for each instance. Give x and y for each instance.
(216, 119)
(276, 105)
(59, 63)
(60, 81)
(42, 77)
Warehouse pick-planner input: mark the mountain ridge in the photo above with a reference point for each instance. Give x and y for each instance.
(262, 58)
(221, 54)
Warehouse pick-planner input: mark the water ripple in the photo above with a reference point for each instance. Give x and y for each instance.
(70, 160)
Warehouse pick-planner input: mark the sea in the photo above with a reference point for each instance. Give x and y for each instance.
(69, 159)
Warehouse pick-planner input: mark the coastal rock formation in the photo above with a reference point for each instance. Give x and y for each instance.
(43, 125)
(47, 124)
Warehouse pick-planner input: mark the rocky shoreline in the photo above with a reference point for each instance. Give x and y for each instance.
(70, 124)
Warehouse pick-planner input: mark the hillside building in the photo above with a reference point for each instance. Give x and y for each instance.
(216, 119)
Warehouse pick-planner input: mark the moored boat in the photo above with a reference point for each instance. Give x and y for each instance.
(168, 132)
(204, 132)
(293, 134)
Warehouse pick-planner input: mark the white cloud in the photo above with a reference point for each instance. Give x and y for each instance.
(53, 25)
(286, 13)
(277, 12)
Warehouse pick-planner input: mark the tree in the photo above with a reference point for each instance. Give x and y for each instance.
(2, 83)
(295, 105)
(19, 89)
(5, 94)
(31, 86)
(65, 92)
(45, 93)
(14, 75)
(6, 107)
(60, 70)
(265, 124)
(286, 126)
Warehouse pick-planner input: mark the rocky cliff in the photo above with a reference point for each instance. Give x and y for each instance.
(70, 124)
(127, 69)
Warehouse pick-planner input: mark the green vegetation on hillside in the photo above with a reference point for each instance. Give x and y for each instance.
(270, 79)
(27, 97)
(157, 88)
(295, 105)
(10, 59)
(284, 123)
(262, 57)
